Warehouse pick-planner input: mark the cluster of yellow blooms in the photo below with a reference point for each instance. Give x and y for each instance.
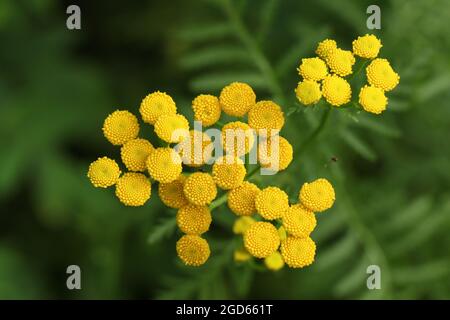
(290, 243)
(326, 74)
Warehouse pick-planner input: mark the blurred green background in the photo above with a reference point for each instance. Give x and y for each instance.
(392, 173)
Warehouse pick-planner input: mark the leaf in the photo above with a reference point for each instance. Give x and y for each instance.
(213, 55)
(206, 32)
(423, 273)
(164, 229)
(435, 86)
(218, 80)
(353, 280)
(379, 126)
(359, 146)
(336, 253)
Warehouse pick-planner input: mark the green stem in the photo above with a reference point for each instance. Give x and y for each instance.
(219, 201)
(316, 132)
(254, 50)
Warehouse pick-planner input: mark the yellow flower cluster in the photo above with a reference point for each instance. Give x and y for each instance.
(326, 75)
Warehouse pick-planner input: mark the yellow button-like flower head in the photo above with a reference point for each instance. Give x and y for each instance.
(156, 104)
(341, 62)
(274, 262)
(103, 172)
(120, 127)
(171, 194)
(164, 165)
(200, 189)
(267, 153)
(271, 203)
(308, 92)
(313, 69)
(237, 98)
(367, 46)
(266, 115)
(241, 200)
(237, 138)
(299, 221)
(134, 154)
(133, 189)
(193, 250)
(206, 109)
(325, 47)
(381, 75)
(261, 239)
(192, 219)
(172, 127)
(298, 252)
(372, 99)
(317, 196)
(336, 90)
(196, 149)
(242, 224)
(228, 172)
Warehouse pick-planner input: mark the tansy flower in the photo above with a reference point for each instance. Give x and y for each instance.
(228, 172)
(242, 224)
(196, 149)
(317, 196)
(200, 189)
(372, 99)
(156, 104)
(381, 75)
(133, 189)
(103, 172)
(241, 200)
(313, 69)
(267, 153)
(274, 262)
(171, 194)
(134, 153)
(367, 46)
(298, 252)
(164, 165)
(237, 138)
(325, 47)
(237, 98)
(336, 90)
(172, 127)
(206, 109)
(192, 219)
(261, 239)
(298, 221)
(193, 250)
(120, 127)
(271, 203)
(266, 115)
(341, 62)
(308, 92)
(241, 255)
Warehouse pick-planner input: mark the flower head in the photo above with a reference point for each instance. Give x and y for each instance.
(156, 104)
(242, 224)
(120, 127)
(192, 219)
(171, 193)
(241, 255)
(193, 250)
(206, 109)
(237, 98)
(367, 46)
(200, 189)
(274, 262)
(313, 69)
(196, 149)
(228, 172)
(282, 233)
(317, 196)
(336, 90)
(308, 92)
(261, 239)
(172, 127)
(266, 115)
(271, 203)
(372, 99)
(325, 47)
(164, 165)
(381, 75)
(267, 153)
(134, 153)
(241, 200)
(298, 252)
(341, 62)
(133, 189)
(298, 221)
(237, 138)
(103, 172)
